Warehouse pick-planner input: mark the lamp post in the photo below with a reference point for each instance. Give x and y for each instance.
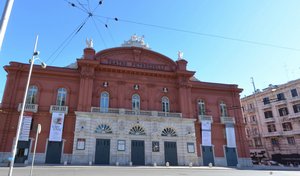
(15, 143)
(38, 131)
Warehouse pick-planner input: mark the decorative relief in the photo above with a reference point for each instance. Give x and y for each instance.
(121, 125)
(87, 71)
(82, 125)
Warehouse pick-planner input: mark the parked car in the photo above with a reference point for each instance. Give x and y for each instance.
(269, 162)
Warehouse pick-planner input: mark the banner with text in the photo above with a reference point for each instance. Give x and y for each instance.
(25, 128)
(230, 135)
(56, 128)
(206, 132)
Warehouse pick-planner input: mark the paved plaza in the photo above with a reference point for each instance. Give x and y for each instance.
(147, 171)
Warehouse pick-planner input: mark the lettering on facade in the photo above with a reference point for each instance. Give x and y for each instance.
(137, 65)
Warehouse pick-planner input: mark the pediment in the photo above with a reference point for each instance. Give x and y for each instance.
(136, 57)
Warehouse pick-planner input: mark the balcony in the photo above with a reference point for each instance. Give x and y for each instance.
(135, 112)
(251, 110)
(295, 116)
(267, 106)
(205, 117)
(226, 120)
(29, 107)
(57, 108)
(272, 134)
(280, 102)
(295, 99)
(268, 120)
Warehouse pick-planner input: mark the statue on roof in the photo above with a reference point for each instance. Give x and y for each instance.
(180, 55)
(89, 43)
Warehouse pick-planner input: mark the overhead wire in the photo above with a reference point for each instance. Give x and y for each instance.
(66, 42)
(202, 34)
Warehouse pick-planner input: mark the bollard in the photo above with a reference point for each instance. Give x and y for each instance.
(154, 164)
(210, 165)
(65, 163)
(90, 163)
(130, 163)
(117, 163)
(238, 166)
(191, 164)
(167, 164)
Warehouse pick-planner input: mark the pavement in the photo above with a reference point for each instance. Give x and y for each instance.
(94, 170)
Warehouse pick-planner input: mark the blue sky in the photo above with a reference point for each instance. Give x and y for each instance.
(214, 59)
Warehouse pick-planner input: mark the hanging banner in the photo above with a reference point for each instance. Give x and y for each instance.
(230, 135)
(206, 138)
(206, 125)
(206, 132)
(56, 128)
(25, 128)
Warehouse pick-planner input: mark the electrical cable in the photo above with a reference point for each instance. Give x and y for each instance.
(202, 34)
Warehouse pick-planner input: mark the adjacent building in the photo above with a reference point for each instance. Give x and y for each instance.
(272, 118)
(124, 105)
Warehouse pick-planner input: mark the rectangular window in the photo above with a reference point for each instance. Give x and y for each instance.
(274, 141)
(253, 118)
(294, 92)
(283, 111)
(268, 114)
(271, 128)
(190, 148)
(266, 100)
(296, 108)
(121, 145)
(291, 140)
(280, 97)
(250, 142)
(287, 126)
(80, 144)
(155, 146)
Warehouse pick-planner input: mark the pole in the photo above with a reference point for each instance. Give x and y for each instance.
(38, 131)
(14, 149)
(4, 19)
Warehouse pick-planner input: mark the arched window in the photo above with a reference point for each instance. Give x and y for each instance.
(103, 129)
(136, 102)
(223, 109)
(170, 132)
(32, 95)
(201, 107)
(165, 104)
(137, 130)
(104, 102)
(61, 97)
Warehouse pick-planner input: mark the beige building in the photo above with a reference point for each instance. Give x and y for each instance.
(272, 118)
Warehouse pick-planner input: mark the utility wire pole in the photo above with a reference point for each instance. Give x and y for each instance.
(4, 20)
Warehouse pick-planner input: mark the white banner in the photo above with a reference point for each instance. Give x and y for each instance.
(206, 138)
(230, 136)
(25, 128)
(56, 128)
(206, 124)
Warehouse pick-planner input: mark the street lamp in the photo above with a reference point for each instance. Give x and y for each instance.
(15, 144)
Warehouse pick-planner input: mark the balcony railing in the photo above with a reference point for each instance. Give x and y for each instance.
(280, 102)
(57, 108)
(226, 120)
(29, 107)
(294, 116)
(267, 120)
(270, 134)
(205, 117)
(135, 112)
(294, 99)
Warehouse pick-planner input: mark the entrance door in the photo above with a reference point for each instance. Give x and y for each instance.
(53, 154)
(102, 151)
(231, 156)
(208, 155)
(138, 153)
(171, 153)
(22, 151)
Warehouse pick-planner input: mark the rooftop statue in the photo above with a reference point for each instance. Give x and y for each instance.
(136, 41)
(180, 55)
(89, 43)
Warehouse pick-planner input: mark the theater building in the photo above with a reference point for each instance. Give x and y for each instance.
(122, 106)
